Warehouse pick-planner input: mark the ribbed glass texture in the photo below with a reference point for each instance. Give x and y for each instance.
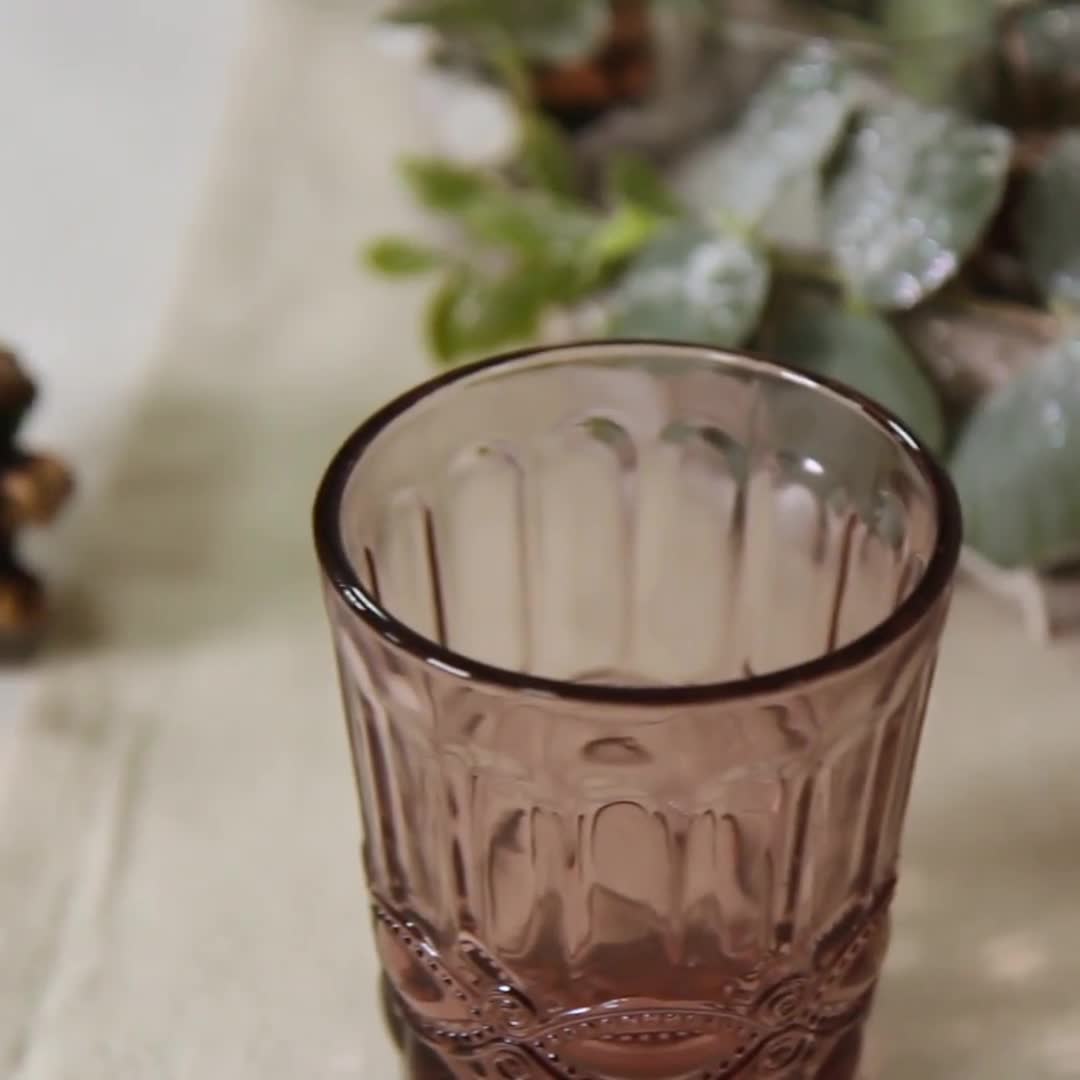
(635, 642)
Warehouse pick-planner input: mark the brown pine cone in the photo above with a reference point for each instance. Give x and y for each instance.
(16, 396)
(22, 611)
(33, 487)
(620, 72)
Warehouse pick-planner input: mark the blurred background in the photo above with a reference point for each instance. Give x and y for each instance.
(111, 114)
(230, 230)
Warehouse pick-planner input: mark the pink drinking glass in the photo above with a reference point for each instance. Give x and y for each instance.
(635, 641)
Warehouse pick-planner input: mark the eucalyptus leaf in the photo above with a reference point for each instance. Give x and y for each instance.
(440, 323)
(546, 157)
(932, 44)
(863, 351)
(556, 31)
(538, 227)
(788, 129)
(635, 182)
(692, 283)
(471, 313)
(915, 191)
(440, 185)
(622, 235)
(1017, 465)
(399, 257)
(956, 22)
(1050, 224)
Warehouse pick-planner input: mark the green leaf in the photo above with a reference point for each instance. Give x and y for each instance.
(791, 124)
(912, 197)
(546, 157)
(932, 43)
(398, 257)
(440, 324)
(1017, 465)
(472, 314)
(642, 207)
(511, 69)
(635, 182)
(692, 283)
(861, 350)
(567, 250)
(445, 187)
(531, 223)
(930, 20)
(557, 31)
(446, 15)
(625, 232)
(1050, 224)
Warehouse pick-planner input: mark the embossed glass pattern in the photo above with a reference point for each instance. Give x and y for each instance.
(635, 642)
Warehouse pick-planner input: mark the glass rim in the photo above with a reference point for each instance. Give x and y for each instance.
(360, 601)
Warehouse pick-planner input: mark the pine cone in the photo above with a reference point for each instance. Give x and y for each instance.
(16, 396)
(33, 488)
(621, 71)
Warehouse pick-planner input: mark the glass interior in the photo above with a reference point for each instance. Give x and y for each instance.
(638, 515)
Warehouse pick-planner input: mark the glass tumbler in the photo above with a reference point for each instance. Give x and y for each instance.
(635, 641)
